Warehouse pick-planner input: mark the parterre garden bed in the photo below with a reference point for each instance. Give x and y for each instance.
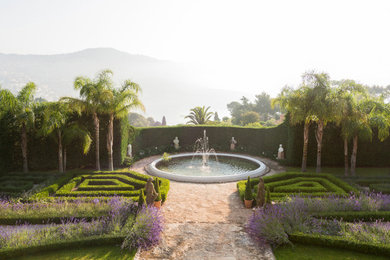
(321, 210)
(80, 209)
(14, 184)
(305, 184)
(99, 184)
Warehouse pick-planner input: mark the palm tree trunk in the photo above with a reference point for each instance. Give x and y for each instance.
(97, 141)
(319, 135)
(60, 159)
(64, 158)
(110, 138)
(353, 155)
(305, 144)
(346, 156)
(23, 145)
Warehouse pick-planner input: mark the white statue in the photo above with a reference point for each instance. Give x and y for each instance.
(176, 143)
(233, 143)
(129, 151)
(280, 152)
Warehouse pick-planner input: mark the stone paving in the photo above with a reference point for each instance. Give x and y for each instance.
(205, 221)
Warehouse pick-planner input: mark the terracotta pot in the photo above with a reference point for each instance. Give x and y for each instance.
(248, 203)
(157, 204)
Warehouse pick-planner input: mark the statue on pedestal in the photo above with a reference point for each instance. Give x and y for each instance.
(129, 151)
(151, 193)
(280, 152)
(176, 143)
(233, 143)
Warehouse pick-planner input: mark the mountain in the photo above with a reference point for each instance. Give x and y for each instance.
(169, 88)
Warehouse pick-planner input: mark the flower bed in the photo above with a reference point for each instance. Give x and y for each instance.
(125, 223)
(296, 220)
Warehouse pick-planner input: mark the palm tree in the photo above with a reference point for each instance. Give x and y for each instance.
(373, 113)
(22, 109)
(348, 116)
(322, 106)
(56, 121)
(298, 105)
(118, 105)
(199, 116)
(93, 94)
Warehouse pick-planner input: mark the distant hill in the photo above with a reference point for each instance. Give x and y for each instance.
(169, 88)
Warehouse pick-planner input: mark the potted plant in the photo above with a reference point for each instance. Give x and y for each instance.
(248, 196)
(157, 201)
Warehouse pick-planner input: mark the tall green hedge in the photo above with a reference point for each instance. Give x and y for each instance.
(256, 141)
(42, 151)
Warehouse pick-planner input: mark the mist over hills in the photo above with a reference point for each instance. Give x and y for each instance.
(169, 88)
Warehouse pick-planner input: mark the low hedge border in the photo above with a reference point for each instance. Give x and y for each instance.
(44, 220)
(289, 185)
(352, 216)
(380, 187)
(80, 243)
(339, 242)
(58, 183)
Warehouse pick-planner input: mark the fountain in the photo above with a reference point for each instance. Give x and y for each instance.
(202, 147)
(205, 165)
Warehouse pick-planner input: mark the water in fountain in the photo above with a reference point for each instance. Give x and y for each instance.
(202, 147)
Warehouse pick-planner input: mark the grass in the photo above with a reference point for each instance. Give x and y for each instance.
(88, 253)
(339, 171)
(305, 252)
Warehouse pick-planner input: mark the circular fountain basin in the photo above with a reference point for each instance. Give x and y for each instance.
(188, 167)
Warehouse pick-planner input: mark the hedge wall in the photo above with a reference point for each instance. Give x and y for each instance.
(42, 151)
(264, 141)
(255, 141)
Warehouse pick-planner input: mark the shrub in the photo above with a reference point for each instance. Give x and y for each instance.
(267, 196)
(248, 190)
(146, 231)
(141, 200)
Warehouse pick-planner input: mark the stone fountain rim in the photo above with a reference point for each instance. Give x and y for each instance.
(261, 170)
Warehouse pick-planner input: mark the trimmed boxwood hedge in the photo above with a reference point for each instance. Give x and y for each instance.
(332, 184)
(16, 183)
(339, 242)
(59, 245)
(352, 216)
(45, 220)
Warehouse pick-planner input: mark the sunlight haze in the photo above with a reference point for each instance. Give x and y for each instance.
(246, 46)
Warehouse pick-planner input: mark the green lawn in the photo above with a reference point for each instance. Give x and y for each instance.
(362, 172)
(89, 253)
(305, 252)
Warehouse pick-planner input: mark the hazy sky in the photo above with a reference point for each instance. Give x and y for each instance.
(250, 46)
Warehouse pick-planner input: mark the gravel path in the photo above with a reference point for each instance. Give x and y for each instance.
(205, 221)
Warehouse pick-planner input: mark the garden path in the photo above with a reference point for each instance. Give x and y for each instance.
(205, 221)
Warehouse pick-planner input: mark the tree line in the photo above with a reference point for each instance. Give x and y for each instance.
(97, 97)
(352, 106)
